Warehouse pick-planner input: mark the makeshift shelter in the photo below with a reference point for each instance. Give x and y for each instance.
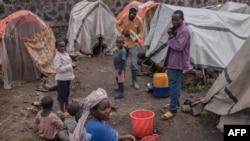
(146, 13)
(91, 25)
(229, 96)
(26, 47)
(235, 7)
(215, 36)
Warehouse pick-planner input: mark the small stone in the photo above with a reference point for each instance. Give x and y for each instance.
(31, 126)
(23, 113)
(15, 106)
(36, 103)
(185, 108)
(38, 93)
(114, 104)
(102, 71)
(29, 108)
(197, 109)
(192, 95)
(14, 92)
(34, 110)
(114, 123)
(155, 131)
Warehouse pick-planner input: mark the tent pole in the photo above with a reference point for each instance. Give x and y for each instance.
(204, 75)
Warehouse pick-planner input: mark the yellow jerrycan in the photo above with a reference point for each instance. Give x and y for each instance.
(160, 80)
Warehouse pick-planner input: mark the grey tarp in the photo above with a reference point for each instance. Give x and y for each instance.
(230, 93)
(235, 7)
(215, 36)
(89, 21)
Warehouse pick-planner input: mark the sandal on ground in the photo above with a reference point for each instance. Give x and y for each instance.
(118, 96)
(166, 106)
(116, 89)
(167, 115)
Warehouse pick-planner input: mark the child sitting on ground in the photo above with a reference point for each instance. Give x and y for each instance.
(48, 123)
(70, 123)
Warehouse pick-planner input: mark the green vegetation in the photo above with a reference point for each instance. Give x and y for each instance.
(200, 86)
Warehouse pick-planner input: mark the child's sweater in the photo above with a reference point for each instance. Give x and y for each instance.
(63, 66)
(48, 126)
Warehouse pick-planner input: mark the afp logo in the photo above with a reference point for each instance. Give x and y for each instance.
(239, 132)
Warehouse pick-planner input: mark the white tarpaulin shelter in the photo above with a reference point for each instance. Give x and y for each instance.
(215, 36)
(89, 21)
(235, 7)
(230, 6)
(230, 94)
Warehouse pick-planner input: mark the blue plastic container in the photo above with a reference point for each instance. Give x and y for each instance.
(161, 92)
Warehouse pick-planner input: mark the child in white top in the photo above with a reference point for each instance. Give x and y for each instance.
(64, 74)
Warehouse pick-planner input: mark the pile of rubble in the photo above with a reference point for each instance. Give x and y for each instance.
(194, 107)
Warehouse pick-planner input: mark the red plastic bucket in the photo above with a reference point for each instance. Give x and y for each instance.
(142, 122)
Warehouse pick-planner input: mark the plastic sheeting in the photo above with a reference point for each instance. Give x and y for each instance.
(235, 7)
(230, 92)
(215, 36)
(89, 21)
(239, 118)
(17, 62)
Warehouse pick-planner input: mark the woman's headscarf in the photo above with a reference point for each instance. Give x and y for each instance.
(94, 98)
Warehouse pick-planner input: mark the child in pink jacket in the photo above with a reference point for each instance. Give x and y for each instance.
(48, 123)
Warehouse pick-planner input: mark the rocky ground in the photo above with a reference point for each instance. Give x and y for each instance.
(17, 106)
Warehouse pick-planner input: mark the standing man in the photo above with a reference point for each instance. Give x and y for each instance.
(131, 22)
(177, 59)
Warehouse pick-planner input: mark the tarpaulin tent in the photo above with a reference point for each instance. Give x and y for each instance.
(215, 36)
(26, 47)
(235, 7)
(229, 96)
(88, 22)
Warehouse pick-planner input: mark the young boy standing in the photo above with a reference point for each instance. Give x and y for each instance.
(119, 65)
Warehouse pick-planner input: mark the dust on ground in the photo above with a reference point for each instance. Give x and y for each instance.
(17, 115)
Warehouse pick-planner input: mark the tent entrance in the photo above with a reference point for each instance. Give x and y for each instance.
(99, 47)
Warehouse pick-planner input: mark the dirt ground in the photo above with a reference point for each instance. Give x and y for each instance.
(16, 118)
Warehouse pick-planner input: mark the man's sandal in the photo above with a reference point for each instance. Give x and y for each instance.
(167, 115)
(166, 106)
